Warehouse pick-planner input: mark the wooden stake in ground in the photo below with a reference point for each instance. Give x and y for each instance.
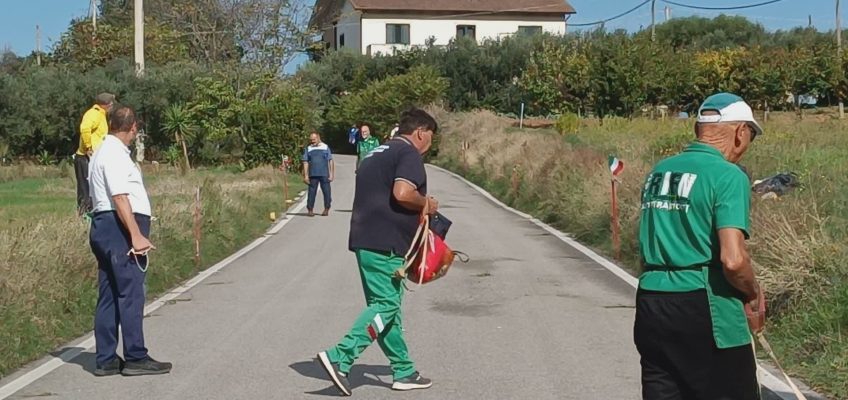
(464, 149)
(285, 168)
(521, 118)
(515, 180)
(616, 166)
(615, 226)
(197, 226)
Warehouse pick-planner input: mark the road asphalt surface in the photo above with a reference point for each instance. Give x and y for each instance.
(529, 317)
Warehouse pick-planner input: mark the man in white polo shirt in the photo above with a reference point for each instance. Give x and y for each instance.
(119, 235)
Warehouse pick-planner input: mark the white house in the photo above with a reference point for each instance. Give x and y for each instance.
(381, 26)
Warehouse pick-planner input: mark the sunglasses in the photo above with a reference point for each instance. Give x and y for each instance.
(751, 130)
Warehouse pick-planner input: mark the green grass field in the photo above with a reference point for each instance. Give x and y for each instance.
(47, 272)
(33, 196)
(799, 241)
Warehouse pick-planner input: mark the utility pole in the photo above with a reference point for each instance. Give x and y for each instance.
(667, 13)
(838, 28)
(38, 45)
(653, 21)
(138, 17)
(839, 52)
(93, 7)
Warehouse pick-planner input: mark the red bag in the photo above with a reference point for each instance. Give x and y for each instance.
(433, 260)
(429, 257)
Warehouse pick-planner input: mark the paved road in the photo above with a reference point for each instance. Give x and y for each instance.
(528, 318)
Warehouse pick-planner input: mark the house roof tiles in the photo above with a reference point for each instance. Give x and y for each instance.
(495, 6)
(325, 11)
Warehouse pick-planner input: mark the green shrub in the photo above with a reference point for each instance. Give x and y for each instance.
(173, 155)
(567, 123)
(278, 126)
(381, 102)
(45, 158)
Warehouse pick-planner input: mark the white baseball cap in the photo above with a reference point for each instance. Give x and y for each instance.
(730, 108)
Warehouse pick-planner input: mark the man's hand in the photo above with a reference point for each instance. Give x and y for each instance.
(141, 244)
(432, 205)
(89, 153)
(755, 311)
(306, 180)
(332, 177)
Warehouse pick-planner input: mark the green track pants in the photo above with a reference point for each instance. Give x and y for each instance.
(381, 319)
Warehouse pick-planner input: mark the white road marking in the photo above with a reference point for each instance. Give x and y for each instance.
(767, 379)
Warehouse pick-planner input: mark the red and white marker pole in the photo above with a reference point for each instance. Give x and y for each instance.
(616, 166)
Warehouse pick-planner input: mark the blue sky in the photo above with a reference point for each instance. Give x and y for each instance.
(782, 15)
(19, 18)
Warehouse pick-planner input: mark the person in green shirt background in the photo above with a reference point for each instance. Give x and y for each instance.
(366, 143)
(698, 299)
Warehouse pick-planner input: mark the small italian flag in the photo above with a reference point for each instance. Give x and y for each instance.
(615, 165)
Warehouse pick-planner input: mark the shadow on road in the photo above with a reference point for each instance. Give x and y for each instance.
(318, 213)
(86, 360)
(360, 375)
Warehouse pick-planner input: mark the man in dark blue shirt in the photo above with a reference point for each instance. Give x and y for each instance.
(391, 192)
(318, 169)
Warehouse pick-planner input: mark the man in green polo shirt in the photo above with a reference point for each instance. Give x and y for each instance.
(694, 306)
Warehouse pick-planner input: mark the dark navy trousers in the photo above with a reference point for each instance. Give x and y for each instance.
(314, 181)
(121, 293)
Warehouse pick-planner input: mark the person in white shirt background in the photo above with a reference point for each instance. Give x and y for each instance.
(119, 239)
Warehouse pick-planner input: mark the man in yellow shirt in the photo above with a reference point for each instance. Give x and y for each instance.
(93, 130)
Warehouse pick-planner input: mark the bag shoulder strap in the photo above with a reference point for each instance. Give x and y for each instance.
(767, 347)
(416, 245)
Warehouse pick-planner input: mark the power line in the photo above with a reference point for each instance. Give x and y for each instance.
(603, 21)
(765, 3)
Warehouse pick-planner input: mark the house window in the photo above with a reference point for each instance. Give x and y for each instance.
(341, 40)
(530, 30)
(469, 31)
(397, 33)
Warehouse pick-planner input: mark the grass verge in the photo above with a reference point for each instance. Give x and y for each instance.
(799, 239)
(48, 276)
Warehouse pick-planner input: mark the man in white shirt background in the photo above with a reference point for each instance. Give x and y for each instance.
(120, 229)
